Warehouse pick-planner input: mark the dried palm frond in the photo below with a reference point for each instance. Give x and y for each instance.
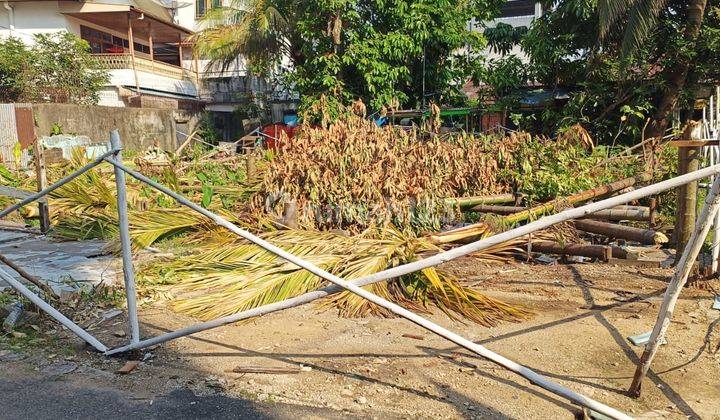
(231, 275)
(353, 174)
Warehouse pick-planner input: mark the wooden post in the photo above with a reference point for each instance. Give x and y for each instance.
(653, 212)
(689, 156)
(689, 161)
(250, 168)
(150, 41)
(180, 50)
(41, 176)
(197, 72)
(690, 254)
(131, 43)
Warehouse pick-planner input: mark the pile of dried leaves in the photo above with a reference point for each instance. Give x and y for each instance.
(353, 175)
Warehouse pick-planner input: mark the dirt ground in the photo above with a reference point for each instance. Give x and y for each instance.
(368, 368)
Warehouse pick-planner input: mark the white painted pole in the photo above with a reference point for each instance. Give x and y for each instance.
(62, 319)
(690, 254)
(125, 241)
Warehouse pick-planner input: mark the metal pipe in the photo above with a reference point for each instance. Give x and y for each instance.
(125, 242)
(56, 185)
(672, 293)
(523, 371)
(383, 275)
(15, 284)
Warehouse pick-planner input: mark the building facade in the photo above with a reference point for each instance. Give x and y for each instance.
(138, 42)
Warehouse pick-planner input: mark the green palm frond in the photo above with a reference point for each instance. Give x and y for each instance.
(255, 29)
(231, 275)
(637, 17)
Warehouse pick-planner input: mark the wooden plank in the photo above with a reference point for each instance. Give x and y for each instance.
(693, 143)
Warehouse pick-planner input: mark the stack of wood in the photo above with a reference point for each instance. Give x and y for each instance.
(604, 232)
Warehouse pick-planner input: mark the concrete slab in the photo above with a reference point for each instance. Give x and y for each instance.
(64, 265)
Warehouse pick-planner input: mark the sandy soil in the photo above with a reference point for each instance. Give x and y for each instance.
(368, 368)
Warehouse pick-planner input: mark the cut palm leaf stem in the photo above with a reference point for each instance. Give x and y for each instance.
(228, 276)
(629, 233)
(49, 292)
(482, 228)
(465, 202)
(633, 213)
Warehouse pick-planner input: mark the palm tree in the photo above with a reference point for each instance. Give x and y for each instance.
(639, 18)
(262, 31)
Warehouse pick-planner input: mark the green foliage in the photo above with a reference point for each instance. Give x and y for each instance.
(503, 37)
(58, 67)
(15, 61)
(615, 60)
(386, 52)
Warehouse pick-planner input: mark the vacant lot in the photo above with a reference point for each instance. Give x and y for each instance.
(390, 368)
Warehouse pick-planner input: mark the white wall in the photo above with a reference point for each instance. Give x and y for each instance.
(33, 18)
(185, 16)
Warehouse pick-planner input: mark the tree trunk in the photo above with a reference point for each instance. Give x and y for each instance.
(678, 74)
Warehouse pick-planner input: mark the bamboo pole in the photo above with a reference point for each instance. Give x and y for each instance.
(486, 199)
(478, 229)
(644, 236)
(412, 267)
(635, 213)
(684, 267)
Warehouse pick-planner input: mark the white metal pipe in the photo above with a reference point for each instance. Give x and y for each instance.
(125, 242)
(15, 284)
(672, 293)
(523, 371)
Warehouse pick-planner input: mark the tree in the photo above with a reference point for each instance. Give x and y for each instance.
(639, 20)
(63, 70)
(14, 62)
(263, 32)
(58, 67)
(619, 76)
(386, 52)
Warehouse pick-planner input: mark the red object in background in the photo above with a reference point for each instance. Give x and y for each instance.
(273, 133)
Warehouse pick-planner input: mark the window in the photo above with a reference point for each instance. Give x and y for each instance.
(515, 8)
(202, 6)
(105, 43)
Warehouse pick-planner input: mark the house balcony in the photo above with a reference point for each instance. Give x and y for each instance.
(124, 61)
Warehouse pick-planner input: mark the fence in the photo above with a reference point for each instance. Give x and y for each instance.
(339, 284)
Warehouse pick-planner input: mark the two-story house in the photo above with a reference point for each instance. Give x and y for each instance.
(138, 41)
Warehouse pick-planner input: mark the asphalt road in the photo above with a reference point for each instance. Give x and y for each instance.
(52, 397)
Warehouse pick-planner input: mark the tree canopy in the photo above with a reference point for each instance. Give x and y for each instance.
(385, 52)
(58, 67)
(625, 65)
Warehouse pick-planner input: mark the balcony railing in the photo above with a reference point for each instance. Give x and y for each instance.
(124, 61)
